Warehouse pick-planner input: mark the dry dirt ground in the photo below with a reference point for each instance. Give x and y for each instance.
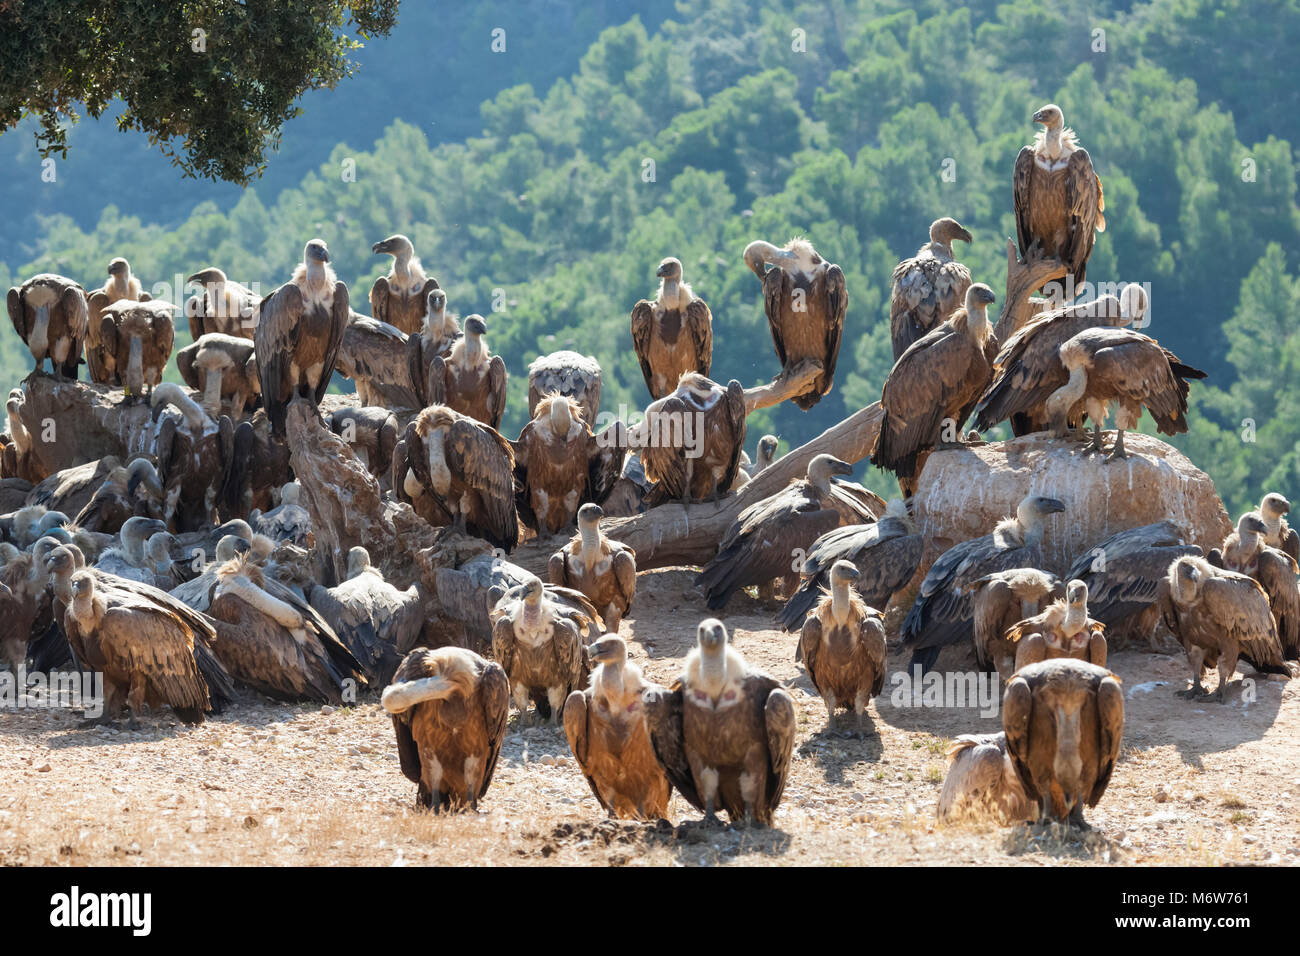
(1197, 782)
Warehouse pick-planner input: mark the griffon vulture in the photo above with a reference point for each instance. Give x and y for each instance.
(372, 617)
(399, 298)
(259, 465)
(1028, 368)
(928, 287)
(540, 648)
(765, 455)
(221, 306)
(690, 441)
(470, 380)
(944, 608)
(288, 520)
(1000, 602)
(1278, 534)
(1128, 369)
(759, 544)
(607, 733)
(1064, 629)
(101, 364)
(150, 651)
(375, 356)
(886, 554)
(194, 453)
(673, 334)
(436, 337)
(299, 331)
(1058, 199)
(458, 471)
(139, 337)
(1219, 616)
(274, 641)
(982, 781)
(224, 369)
(130, 560)
(569, 374)
(934, 386)
(126, 492)
(805, 299)
(724, 733)
(1123, 574)
(1245, 552)
(372, 433)
(601, 568)
(17, 460)
(560, 464)
(50, 315)
(1063, 720)
(449, 709)
(843, 645)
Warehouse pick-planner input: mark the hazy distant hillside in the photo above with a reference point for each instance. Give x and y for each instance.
(836, 120)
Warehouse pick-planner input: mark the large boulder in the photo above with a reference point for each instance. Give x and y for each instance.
(962, 493)
(72, 423)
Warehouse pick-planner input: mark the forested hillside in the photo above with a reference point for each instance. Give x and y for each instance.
(854, 123)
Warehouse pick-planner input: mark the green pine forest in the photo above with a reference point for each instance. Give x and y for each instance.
(524, 180)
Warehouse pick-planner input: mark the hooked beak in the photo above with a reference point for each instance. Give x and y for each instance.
(1053, 506)
(379, 247)
(1039, 118)
(601, 652)
(964, 235)
(839, 467)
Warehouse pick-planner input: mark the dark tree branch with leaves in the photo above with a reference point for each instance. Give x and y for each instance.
(210, 82)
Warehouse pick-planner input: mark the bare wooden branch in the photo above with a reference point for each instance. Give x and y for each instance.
(791, 383)
(1024, 277)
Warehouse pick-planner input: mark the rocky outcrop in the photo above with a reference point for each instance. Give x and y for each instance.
(71, 423)
(962, 494)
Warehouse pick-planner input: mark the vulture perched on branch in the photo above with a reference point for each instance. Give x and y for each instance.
(928, 287)
(934, 386)
(1057, 195)
(449, 709)
(100, 364)
(221, 306)
(470, 380)
(569, 374)
(1063, 721)
(1278, 534)
(560, 464)
(299, 331)
(724, 733)
(1001, 601)
(601, 568)
(690, 441)
(805, 299)
(1128, 369)
(224, 369)
(768, 535)
(1028, 367)
(437, 335)
(50, 315)
(886, 554)
(606, 728)
(944, 608)
(672, 335)
(457, 471)
(1219, 616)
(843, 645)
(400, 297)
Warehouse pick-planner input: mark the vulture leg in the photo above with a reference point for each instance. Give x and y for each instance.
(1227, 667)
(1195, 657)
(613, 617)
(1118, 452)
(829, 700)
(1094, 447)
(135, 701)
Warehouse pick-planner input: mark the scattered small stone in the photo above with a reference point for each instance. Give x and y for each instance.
(44, 768)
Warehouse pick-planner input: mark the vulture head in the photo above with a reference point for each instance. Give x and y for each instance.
(533, 591)
(119, 268)
(560, 411)
(767, 450)
(230, 547)
(209, 276)
(475, 327)
(55, 536)
(51, 520)
(844, 573)
(711, 636)
(1274, 506)
(589, 515)
(397, 246)
(1050, 116)
(437, 301)
(610, 649)
(670, 268)
(1032, 512)
(823, 467)
(141, 471)
(290, 493)
(1185, 577)
(945, 230)
(316, 251)
(135, 531)
(358, 561)
(1133, 303)
(1076, 593)
(83, 588)
(979, 297)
